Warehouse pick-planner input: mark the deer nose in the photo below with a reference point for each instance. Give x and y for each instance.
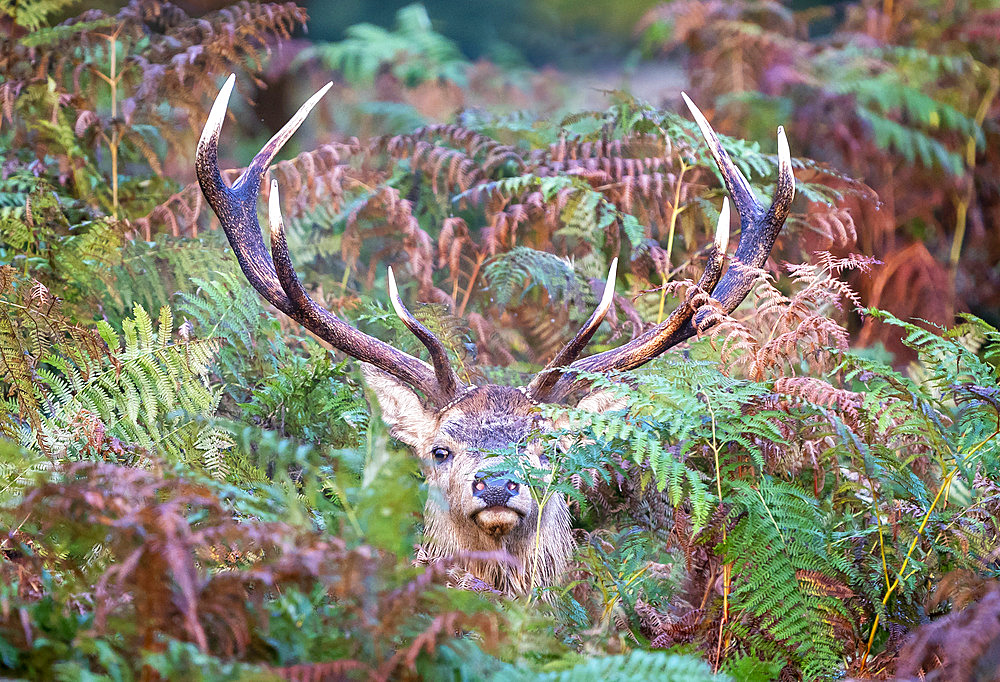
(496, 490)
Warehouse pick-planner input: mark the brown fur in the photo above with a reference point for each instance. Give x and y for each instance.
(481, 420)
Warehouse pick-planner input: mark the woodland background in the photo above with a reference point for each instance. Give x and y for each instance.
(191, 487)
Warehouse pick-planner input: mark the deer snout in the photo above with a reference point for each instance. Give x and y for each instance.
(495, 491)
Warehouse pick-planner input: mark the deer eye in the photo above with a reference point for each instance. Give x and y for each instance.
(441, 455)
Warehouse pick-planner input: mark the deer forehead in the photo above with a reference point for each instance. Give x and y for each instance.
(489, 417)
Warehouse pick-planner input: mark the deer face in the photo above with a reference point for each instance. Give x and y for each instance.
(470, 507)
(489, 419)
(486, 509)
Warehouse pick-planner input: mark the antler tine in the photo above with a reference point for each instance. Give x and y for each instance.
(760, 228)
(545, 379)
(447, 381)
(645, 347)
(236, 206)
(746, 204)
(275, 279)
(446, 377)
(280, 256)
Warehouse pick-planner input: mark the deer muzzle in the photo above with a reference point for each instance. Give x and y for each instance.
(496, 518)
(495, 491)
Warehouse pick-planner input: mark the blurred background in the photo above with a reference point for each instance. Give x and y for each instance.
(893, 103)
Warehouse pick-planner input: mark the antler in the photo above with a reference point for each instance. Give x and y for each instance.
(276, 281)
(547, 378)
(759, 229)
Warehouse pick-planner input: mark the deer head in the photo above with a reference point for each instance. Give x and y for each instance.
(450, 425)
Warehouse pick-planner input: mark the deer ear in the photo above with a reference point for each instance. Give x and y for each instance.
(600, 401)
(402, 409)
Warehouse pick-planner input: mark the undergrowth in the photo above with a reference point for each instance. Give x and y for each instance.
(191, 487)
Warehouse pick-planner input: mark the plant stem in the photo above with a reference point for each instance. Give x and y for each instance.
(472, 281)
(675, 210)
(113, 40)
(541, 501)
(962, 203)
(115, 140)
(906, 560)
(727, 568)
(945, 484)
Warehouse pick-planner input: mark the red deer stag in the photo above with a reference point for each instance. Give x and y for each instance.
(451, 425)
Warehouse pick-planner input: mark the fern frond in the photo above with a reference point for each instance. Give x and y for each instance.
(637, 665)
(778, 547)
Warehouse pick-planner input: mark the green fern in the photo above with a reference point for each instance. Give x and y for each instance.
(310, 398)
(913, 144)
(678, 411)
(637, 665)
(253, 345)
(77, 394)
(32, 325)
(33, 14)
(634, 116)
(639, 440)
(414, 51)
(522, 269)
(959, 379)
(777, 536)
(55, 237)
(264, 371)
(151, 274)
(897, 104)
(150, 393)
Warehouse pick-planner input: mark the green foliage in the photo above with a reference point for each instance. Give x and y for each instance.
(183, 661)
(208, 493)
(33, 14)
(166, 272)
(883, 99)
(777, 541)
(145, 378)
(620, 568)
(413, 52)
(639, 665)
(522, 269)
(55, 237)
(310, 398)
(677, 412)
(85, 396)
(227, 308)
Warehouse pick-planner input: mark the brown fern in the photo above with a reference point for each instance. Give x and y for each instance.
(786, 330)
(176, 65)
(180, 565)
(31, 324)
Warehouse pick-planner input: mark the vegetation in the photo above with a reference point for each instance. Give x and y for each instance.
(903, 95)
(191, 487)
